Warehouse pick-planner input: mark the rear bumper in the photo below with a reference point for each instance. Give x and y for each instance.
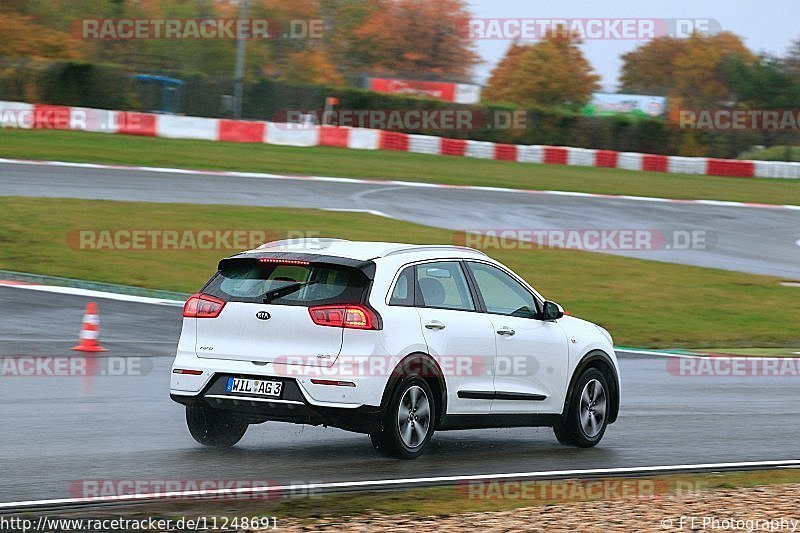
(367, 390)
(291, 407)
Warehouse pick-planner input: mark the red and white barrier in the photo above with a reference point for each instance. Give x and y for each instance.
(292, 134)
(43, 116)
(176, 127)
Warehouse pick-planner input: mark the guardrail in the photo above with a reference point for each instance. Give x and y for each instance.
(44, 116)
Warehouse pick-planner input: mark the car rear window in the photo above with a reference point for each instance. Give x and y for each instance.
(248, 280)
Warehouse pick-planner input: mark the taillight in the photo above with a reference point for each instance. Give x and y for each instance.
(187, 372)
(345, 316)
(202, 306)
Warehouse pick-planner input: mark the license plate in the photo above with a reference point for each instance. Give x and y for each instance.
(254, 386)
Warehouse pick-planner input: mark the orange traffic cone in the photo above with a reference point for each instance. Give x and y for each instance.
(90, 331)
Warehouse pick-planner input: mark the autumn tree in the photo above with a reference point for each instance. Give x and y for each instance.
(691, 70)
(23, 36)
(792, 59)
(551, 72)
(396, 37)
(414, 38)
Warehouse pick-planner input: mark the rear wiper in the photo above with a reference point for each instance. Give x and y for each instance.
(283, 291)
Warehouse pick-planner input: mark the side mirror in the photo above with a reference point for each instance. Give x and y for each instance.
(551, 311)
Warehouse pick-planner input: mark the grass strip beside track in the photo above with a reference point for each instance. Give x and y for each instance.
(643, 303)
(176, 153)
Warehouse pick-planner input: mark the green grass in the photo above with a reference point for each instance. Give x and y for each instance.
(132, 150)
(643, 303)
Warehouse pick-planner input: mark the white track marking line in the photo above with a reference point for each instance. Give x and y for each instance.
(73, 291)
(343, 486)
(660, 354)
(368, 211)
(259, 175)
(701, 355)
(72, 340)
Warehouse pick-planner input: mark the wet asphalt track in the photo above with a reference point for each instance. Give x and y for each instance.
(58, 430)
(754, 240)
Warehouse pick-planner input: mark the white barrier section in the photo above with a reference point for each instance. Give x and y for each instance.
(175, 127)
(424, 144)
(629, 161)
(291, 134)
(686, 165)
(16, 115)
(582, 157)
(777, 169)
(95, 120)
(480, 149)
(364, 139)
(530, 154)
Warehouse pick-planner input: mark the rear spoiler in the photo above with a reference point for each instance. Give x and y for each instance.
(366, 267)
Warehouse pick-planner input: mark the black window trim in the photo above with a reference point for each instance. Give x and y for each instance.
(417, 300)
(474, 285)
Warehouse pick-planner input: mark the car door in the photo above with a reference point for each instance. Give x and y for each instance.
(458, 337)
(530, 372)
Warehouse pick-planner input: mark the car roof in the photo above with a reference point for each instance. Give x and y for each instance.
(362, 250)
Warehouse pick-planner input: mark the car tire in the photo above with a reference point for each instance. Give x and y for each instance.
(213, 427)
(407, 424)
(586, 418)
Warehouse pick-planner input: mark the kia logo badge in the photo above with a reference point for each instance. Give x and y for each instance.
(262, 315)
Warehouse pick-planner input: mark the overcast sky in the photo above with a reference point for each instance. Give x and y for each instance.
(765, 25)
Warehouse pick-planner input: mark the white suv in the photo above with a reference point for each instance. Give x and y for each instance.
(392, 340)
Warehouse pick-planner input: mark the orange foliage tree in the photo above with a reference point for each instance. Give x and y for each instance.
(687, 69)
(414, 38)
(551, 72)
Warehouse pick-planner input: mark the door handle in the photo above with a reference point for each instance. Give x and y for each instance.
(505, 331)
(434, 324)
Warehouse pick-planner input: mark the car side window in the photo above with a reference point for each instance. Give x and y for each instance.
(443, 285)
(403, 293)
(502, 294)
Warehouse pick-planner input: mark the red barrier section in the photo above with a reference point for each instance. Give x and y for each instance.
(393, 140)
(240, 131)
(132, 123)
(606, 158)
(727, 167)
(453, 146)
(654, 163)
(505, 152)
(51, 117)
(334, 136)
(555, 155)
